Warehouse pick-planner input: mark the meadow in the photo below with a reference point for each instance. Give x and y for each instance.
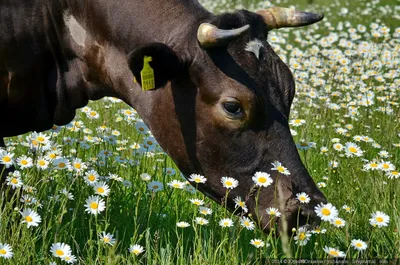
(101, 191)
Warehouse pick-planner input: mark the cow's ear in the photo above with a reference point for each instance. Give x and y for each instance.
(164, 62)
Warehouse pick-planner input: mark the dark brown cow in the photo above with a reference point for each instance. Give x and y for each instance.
(222, 97)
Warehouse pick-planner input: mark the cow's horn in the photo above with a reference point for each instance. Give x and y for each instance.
(279, 17)
(210, 36)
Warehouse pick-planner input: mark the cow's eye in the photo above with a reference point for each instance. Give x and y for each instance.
(233, 108)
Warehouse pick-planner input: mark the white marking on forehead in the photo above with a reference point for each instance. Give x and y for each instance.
(78, 33)
(254, 46)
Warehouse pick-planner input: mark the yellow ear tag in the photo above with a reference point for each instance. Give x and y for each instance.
(147, 74)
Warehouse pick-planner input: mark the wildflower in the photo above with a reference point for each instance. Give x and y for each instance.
(60, 250)
(358, 244)
(177, 184)
(338, 146)
(6, 158)
(182, 224)
(318, 230)
(204, 210)
(371, 165)
(297, 122)
(136, 249)
(347, 208)
(115, 177)
(379, 219)
(145, 177)
(262, 179)
(197, 202)
(6, 251)
(302, 237)
(229, 183)
(386, 166)
(91, 177)
(247, 223)
(94, 205)
(240, 203)
(201, 221)
(24, 162)
(42, 163)
(258, 243)
(226, 222)
(273, 212)
(155, 186)
(353, 150)
(14, 181)
(334, 252)
(69, 259)
(101, 188)
(197, 178)
(393, 174)
(281, 169)
(30, 217)
(326, 212)
(303, 197)
(78, 166)
(338, 222)
(170, 171)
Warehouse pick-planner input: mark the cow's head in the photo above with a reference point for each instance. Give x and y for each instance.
(225, 110)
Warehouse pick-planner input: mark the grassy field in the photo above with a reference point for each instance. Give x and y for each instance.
(348, 94)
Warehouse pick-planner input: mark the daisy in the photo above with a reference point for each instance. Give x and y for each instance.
(155, 186)
(177, 184)
(258, 243)
(358, 244)
(6, 251)
(78, 166)
(67, 194)
(60, 250)
(101, 188)
(145, 177)
(136, 249)
(94, 205)
(386, 166)
(338, 222)
(262, 179)
(115, 177)
(273, 212)
(14, 181)
(24, 162)
(326, 212)
(201, 221)
(229, 183)
(338, 146)
(225, 222)
(333, 252)
(107, 238)
(6, 158)
(347, 208)
(318, 230)
(302, 237)
(205, 211)
(70, 259)
(371, 165)
(303, 197)
(30, 217)
(297, 122)
(353, 150)
(61, 163)
(182, 224)
(42, 163)
(281, 169)
(393, 174)
(170, 171)
(379, 219)
(197, 178)
(247, 223)
(240, 203)
(91, 177)
(197, 202)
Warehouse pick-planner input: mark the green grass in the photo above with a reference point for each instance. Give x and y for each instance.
(135, 215)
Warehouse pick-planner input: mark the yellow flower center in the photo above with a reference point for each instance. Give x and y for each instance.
(59, 252)
(78, 166)
(14, 181)
(302, 198)
(379, 219)
(155, 187)
(302, 236)
(246, 223)
(334, 253)
(395, 173)
(226, 223)
(197, 180)
(34, 142)
(358, 245)
(257, 243)
(40, 139)
(106, 239)
(94, 205)
(91, 177)
(374, 165)
(135, 251)
(228, 183)
(52, 156)
(326, 212)
(176, 185)
(6, 159)
(353, 149)
(28, 219)
(100, 190)
(42, 163)
(262, 179)
(3, 251)
(24, 162)
(281, 169)
(338, 222)
(61, 165)
(241, 204)
(141, 129)
(93, 113)
(385, 166)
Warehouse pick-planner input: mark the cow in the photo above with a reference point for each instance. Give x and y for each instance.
(220, 101)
